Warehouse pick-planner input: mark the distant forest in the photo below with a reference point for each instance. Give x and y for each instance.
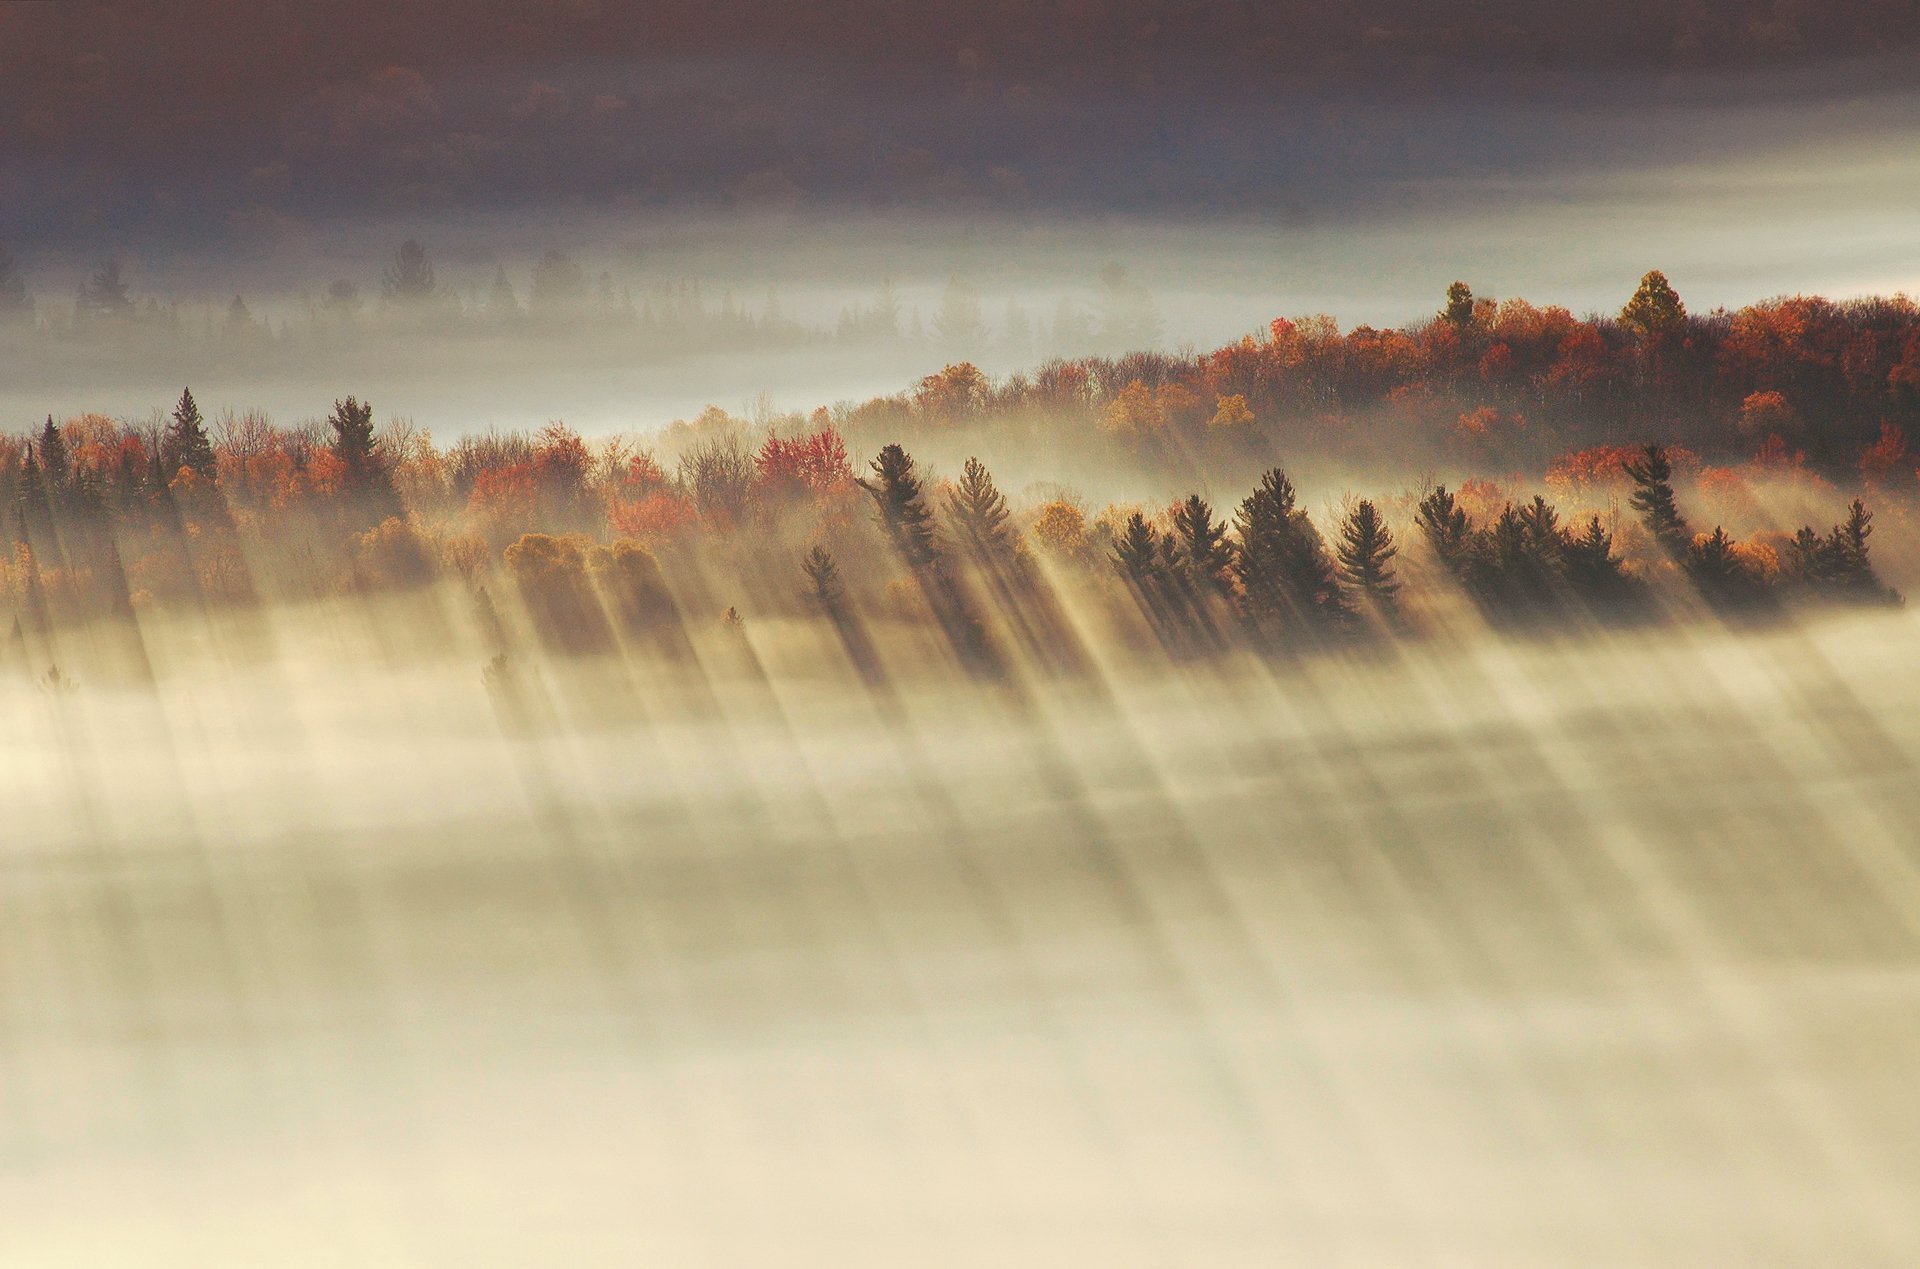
(1764, 425)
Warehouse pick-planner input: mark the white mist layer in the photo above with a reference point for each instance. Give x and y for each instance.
(1476, 953)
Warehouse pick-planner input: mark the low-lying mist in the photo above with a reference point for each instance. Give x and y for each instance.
(338, 942)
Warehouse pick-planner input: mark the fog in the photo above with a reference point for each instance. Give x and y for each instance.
(1465, 951)
(1360, 205)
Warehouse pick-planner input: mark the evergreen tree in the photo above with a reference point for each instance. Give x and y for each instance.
(902, 507)
(1652, 475)
(1459, 310)
(53, 457)
(1136, 554)
(1286, 574)
(979, 510)
(1448, 530)
(1723, 579)
(824, 576)
(1365, 551)
(357, 448)
(409, 280)
(1204, 548)
(185, 443)
(105, 296)
(1840, 564)
(1593, 571)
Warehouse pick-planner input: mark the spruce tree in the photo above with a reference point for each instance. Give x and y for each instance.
(357, 448)
(53, 457)
(185, 442)
(1365, 551)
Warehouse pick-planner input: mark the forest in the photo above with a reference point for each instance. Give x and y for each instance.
(1617, 470)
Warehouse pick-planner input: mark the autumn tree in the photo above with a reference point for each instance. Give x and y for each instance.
(1655, 307)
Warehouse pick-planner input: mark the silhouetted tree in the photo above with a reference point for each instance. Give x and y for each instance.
(1286, 575)
(409, 279)
(1594, 572)
(1365, 551)
(902, 507)
(1652, 475)
(185, 442)
(1726, 581)
(1204, 547)
(53, 457)
(1448, 530)
(105, 295)
(367, 478)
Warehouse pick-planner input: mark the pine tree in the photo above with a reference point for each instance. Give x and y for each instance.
(1285, 571)
(1592, 569)
(1717, 571)
(185, 442)
(979, 510)
(1366, 552)
(1459, 310)
(902, 507)
(1652, 474)
(1448, 530)
(1207, 555)
(824, 576)
(1136, 554)
(1842, 561)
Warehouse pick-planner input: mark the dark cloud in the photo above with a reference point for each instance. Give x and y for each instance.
(190, 118)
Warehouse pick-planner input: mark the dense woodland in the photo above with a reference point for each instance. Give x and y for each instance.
(1767, 422)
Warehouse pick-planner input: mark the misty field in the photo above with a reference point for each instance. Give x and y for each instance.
(331, 949)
